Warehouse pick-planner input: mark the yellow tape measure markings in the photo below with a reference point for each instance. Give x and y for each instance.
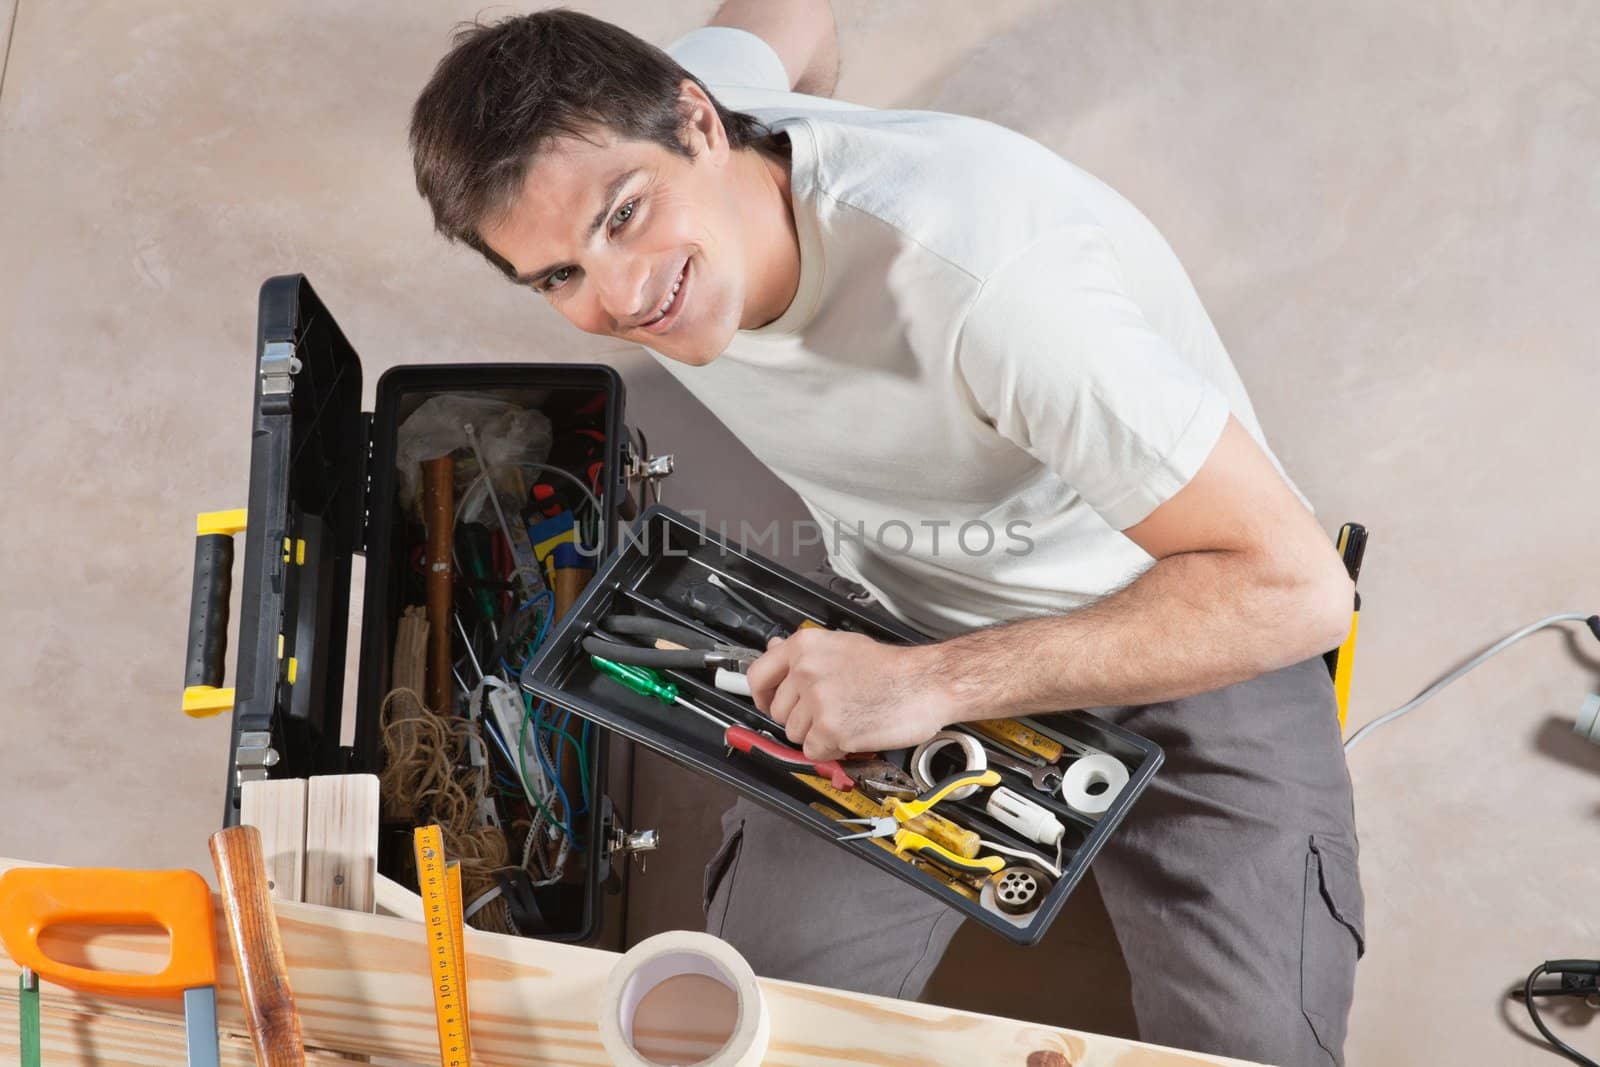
(441, 907)
(854, 802)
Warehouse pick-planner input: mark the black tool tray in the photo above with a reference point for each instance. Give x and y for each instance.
(663, 552)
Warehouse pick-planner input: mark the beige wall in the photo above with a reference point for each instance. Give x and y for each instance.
(1391, 210)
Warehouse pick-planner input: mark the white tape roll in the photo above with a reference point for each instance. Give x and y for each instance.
(971, 750)
(682, 952)
(1106, 774)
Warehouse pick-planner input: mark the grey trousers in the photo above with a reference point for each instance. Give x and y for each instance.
(1232, 884)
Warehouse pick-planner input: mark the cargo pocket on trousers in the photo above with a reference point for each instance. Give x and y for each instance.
(718, 873)
(1332, 938)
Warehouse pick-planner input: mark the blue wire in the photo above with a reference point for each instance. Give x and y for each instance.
(555, 779)
(585, 738)
(539, 636)
(537, 715)
(537, 597)
(561, 749)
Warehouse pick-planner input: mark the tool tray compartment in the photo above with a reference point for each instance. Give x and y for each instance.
(656, 561)
(323, 490)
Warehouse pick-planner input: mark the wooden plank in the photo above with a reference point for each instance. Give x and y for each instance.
(278, 810)
(361, 985)
(341, 841)
(395, 899)
(72, 1037)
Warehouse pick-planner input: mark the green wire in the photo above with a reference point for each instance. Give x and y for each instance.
(583, 753)
(583, 757)
(522, 769)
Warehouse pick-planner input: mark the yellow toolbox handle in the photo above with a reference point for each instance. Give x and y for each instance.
(204, 666)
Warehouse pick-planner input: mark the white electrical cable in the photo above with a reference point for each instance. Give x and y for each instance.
(1052, 869)
(1476, 661)
(594, 501)
(478, 905)
(483, 478)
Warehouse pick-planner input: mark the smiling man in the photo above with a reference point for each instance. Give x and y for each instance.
(930, 324)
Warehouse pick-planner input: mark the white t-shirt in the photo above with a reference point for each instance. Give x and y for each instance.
(993, 364)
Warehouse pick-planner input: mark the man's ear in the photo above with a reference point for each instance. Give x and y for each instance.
(700, 127)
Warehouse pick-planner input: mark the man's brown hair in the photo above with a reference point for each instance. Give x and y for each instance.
(507, 88)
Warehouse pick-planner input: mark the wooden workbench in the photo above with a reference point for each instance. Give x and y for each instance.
(361, 986)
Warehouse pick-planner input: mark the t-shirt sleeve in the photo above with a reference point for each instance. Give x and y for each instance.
(1062, 361)
(727, 58)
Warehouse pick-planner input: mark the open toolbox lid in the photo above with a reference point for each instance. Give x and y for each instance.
(321, 489)
(307, 507)
(657, 560)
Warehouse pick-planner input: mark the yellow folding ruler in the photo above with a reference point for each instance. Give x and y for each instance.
(445, 930)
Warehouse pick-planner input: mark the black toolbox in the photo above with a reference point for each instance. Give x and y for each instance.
(323, 491)
(662, 557)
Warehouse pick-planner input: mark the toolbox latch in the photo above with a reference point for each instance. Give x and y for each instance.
(254, 756)
(640, 476)
(626, 841)
(617, 841)
(278, 367)
(640, 468)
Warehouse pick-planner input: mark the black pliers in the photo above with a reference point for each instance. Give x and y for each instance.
(695, 650)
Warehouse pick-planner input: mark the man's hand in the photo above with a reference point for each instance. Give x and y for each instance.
(837, 693)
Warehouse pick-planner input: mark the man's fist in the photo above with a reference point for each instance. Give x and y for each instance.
(837, 693)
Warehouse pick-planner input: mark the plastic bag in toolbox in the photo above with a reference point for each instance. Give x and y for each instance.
(507, 433)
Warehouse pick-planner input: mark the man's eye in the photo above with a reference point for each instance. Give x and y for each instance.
(624, 213)
(556, 278)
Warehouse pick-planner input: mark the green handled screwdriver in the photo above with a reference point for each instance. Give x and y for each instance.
(759, 746)
(646, 682)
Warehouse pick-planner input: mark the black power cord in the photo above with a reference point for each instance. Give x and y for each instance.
(1578, 979)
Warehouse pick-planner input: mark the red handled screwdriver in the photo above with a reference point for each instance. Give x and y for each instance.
(763, 747)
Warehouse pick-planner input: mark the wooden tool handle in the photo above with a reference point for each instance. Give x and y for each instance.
(439, 479)
(569, 585)
(438, 515)
(257, 952)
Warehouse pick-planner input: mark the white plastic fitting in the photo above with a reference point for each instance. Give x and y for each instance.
(1031, 820)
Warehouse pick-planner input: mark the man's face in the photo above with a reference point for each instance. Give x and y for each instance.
(627, 239)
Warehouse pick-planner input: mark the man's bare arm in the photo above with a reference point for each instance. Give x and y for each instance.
(802, 32)
(1245, 582)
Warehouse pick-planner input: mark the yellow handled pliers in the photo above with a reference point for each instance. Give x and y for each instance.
(903, 811)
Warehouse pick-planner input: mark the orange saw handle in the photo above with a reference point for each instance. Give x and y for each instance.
(33, 899)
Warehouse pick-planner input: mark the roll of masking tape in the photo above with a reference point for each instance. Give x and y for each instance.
(671, 955)
(971, 751)
(1092, 782)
